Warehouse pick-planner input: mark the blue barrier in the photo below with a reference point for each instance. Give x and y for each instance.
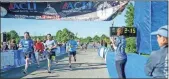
(98, 51)
(102, 51)
(19, 60)
(134, 66)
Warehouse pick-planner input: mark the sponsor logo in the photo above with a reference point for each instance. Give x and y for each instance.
(50, 17)
(78, 5)
(3, 12)
(22, 7)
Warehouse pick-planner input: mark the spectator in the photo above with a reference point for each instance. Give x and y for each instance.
(4, 46)
(157, 64)
(119, 44)
(13, 45)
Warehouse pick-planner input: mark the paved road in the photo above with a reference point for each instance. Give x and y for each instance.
(88, 65)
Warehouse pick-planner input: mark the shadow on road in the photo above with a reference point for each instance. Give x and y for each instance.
(78, 66)
(18, 73)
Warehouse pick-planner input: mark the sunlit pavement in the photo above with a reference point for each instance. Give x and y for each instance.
(88, 65)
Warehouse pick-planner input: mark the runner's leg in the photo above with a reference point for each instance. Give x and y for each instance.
(49, 57)
(70, 56)
(38, 58)
(74, 55)
(26, 63)
(49, 65)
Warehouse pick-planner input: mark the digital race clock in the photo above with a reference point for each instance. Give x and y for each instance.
(128, 31)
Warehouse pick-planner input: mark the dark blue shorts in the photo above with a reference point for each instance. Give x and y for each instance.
(72, 53)
(27, 55)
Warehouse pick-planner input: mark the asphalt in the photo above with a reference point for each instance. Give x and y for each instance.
(88, 65)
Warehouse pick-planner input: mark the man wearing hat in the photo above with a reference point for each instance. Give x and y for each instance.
(157, 64)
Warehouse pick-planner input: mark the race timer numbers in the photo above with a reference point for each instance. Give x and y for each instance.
(128, 31)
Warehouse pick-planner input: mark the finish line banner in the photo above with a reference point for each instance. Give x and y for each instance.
(66, 10)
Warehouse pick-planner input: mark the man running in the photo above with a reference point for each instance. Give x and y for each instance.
(72, 46)
(27, 45)
(50, 45)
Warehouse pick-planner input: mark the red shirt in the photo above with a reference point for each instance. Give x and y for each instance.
(39, 46)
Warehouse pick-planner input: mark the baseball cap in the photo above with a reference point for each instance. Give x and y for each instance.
(163, 31)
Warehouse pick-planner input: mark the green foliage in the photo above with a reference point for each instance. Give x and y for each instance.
(40, 37)
(89, 39)
(59, 36)
(12, 35)
(131, 45)
(17, 40)
(129, 15)
(130, 41)
(107, 40)
(96, 38)
(64, 35)
(103, 37)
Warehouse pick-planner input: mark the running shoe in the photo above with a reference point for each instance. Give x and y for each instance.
(24, 71)
(38, 66)
(49, 71)
(70, 66)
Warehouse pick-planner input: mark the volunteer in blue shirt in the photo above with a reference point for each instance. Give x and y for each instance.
(157, 64)
(119, 44)
(27, 45)
(71, 49)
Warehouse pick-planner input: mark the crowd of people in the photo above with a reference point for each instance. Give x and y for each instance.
(156, 65)
(11, 45)
(37, 49)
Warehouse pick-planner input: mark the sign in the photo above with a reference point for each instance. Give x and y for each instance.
(65, 10)
(128, 31)
(7, 58)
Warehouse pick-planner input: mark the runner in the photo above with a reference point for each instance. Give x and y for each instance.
(72, 46)
(50, 48)
(39, 47)
(27, 45)
(81, 46)
(85, 46)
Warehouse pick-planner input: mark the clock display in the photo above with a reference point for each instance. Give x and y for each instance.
(128, 31)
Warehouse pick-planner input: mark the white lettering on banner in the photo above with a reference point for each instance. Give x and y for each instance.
(7, 58)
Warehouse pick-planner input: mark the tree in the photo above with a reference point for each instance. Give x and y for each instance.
(64, 35)
(13, 34)
(88, 39)
(96, 38)
(131, 45)
(107, 40)
(130, 42)
(103, 37)
(8, 36)
(129, 15)
(58, 36)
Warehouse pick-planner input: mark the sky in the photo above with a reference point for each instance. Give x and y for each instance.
(43, 27)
